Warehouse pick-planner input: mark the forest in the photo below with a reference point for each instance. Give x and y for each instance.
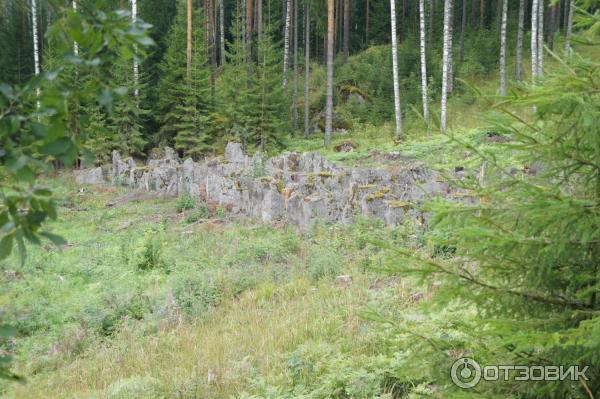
(300, 199)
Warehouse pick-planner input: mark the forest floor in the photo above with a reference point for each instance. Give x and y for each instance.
(144, 303)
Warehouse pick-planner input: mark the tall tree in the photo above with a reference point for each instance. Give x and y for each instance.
(286, 41)
(503, 48)
(569, 12)
(34, 32)
(189, 38)
(423, 61)
(295, 95)
(519, 50)
(75, 45)
(463, 26)
(222, 30)
(397, 110)
(445, 63)
(346, 29)
(329, 94)
(136, 72)
(306, 67)
(451, 49)
(540, 38)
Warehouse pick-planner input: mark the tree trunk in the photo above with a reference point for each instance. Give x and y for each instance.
(551, 26)
(519, 51)
(212, 48)
(329, 107)
(451, 49)
(367, 23)
(503, 48)
(136, 72)
(569, 10)
(473, 14)
(445, 63)
(259, 18)
(431, 9)
(534, 40)
(75, 45)
(286, 41)
(249, 22)
(481, 13)
(306, 68)
(295, 99)
(397, 110)
(540, 34)
(463, 26)
(346, 29)
(34, 32)
(222, 30)
(189, 40)
(423, 61)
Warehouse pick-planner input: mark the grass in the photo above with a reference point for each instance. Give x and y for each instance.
(224, 309)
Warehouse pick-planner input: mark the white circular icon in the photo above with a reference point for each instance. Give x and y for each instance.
(465, 372)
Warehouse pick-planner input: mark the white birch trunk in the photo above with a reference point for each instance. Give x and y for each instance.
(395, 71)
(295, 95)
(568, 49)
(136, 72)
(519, 51)
(534, 40)
(222, 30)
(450, 49)
(306, 69)
(36, 50)
(423, 61)
(75, 45)
(540, 33)
(445, 64)
(503, 48)
(286, 42)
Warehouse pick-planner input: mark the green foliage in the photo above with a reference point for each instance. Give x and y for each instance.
(201, 212)
(185, 97)
(185, 202)
(523, 286)
(147, 254)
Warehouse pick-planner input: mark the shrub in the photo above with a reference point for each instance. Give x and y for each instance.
(201, 212)
(147, 252)
(185, 202)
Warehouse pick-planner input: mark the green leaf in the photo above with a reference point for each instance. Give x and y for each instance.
(145, 41)
(6, 244)
(56, 240)
(57, 147)
(40, 131)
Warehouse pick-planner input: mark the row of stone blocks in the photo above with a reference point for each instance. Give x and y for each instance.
(296, 187)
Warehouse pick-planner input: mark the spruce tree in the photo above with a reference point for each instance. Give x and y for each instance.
(185, 101)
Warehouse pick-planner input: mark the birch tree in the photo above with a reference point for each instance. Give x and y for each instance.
(306, 67)
(286, 41)
(423, 61)
(570, 8)
(503, 48)
(445, 63)
(136, 71)
(295, 96)
(329, 102)
(534, 40)
(519, 50)
(36, 50)
(397, 110)
(540, 38)
(75, 45)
